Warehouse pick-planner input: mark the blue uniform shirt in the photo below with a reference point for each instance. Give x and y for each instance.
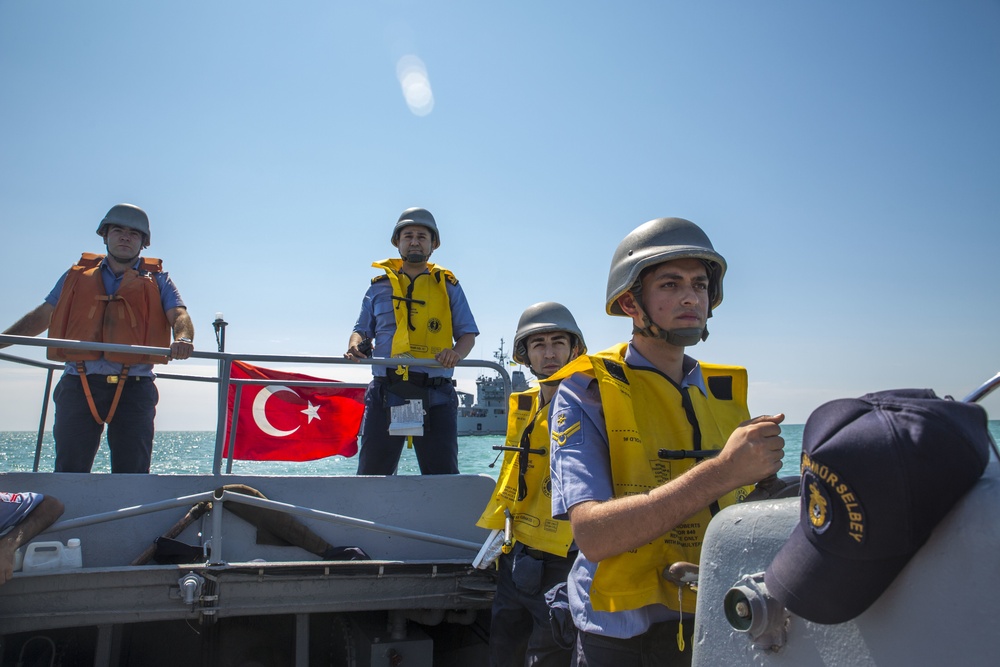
(581, 471)
(377, 320)
(169, 298)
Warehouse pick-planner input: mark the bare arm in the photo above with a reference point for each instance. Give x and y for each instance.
(352, 347)
(33, 323)
(606, 529)
(38, 520)
(464, 345)
(183, 328)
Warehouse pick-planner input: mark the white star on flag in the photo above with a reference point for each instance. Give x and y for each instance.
(312, 412)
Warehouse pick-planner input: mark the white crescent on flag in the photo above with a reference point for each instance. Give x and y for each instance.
(260, 416)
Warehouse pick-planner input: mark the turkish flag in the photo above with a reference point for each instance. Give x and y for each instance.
(279, 423)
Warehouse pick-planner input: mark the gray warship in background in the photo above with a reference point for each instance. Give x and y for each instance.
(488, 415)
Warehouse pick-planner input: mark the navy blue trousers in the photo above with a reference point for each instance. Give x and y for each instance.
(130, 433)
(436, 449)
(657, 647)
(520, 632)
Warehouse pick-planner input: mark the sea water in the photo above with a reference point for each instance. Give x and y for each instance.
(192, 452)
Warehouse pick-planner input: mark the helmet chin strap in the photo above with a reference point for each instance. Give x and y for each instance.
(679, 337)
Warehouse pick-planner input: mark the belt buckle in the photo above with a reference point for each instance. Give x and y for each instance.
(112, 379)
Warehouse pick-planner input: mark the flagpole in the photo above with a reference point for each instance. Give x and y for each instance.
(220, 325)
(220, 339)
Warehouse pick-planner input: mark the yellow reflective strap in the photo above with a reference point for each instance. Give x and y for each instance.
(680, 620)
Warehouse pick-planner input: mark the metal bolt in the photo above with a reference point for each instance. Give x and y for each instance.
(743, 609)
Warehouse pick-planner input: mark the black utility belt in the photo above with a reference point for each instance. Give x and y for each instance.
(417, 379)
(538, 554)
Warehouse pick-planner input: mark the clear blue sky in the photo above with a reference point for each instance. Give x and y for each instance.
(843, 156)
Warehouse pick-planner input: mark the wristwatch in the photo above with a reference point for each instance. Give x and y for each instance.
(183, 340)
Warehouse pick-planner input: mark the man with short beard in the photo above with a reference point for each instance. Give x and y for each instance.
(416, 309)
(119, 298)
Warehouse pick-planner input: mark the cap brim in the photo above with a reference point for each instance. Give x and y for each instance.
(825, 588)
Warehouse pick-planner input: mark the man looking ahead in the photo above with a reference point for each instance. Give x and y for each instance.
(647, 444)
(416, 309)
(121, 298)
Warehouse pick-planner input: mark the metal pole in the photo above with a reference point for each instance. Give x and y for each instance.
(220, 422)
(41, 422)
(218, 504)
(220, 325)
(232, 428)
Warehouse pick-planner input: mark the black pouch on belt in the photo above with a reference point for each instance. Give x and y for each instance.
(527, 573)
(408, 390)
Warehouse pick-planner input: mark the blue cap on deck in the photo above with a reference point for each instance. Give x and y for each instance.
(878, 474)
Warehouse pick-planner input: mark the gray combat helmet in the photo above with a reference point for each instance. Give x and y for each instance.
(417, 216)
(129, 216)
(542, 318)
(657, 241)
(654, 242)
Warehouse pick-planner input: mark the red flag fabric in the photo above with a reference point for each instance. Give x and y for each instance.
(279, 423)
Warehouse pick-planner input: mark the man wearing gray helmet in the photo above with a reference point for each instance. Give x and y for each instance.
(112, 388)
(547, 338)
(647, 445)
(415, 309)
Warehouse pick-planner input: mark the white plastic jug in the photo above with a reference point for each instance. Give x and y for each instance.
(72, 555)
(42, 556)
(46, 556)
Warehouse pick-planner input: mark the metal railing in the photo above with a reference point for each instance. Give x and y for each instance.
(223, 380)
(221, 495)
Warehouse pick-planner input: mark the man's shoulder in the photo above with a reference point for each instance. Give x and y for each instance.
(151, 264)
(708, 367)
(439, 272)
(379, 277)
(578, 389)
(87, 261)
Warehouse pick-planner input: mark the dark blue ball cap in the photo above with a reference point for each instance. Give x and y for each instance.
(878, 474)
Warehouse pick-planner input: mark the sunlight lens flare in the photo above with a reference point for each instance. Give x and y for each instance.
(412, 75)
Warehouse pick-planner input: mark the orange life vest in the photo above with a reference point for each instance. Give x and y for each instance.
(132, 316)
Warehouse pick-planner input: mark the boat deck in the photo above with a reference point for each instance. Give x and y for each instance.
(419, 531)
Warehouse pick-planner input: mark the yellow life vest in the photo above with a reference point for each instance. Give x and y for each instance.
(131, 316)
(422, 309)
(645, 412)
(532, 515)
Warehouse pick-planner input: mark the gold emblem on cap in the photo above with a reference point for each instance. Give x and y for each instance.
(817, 506)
